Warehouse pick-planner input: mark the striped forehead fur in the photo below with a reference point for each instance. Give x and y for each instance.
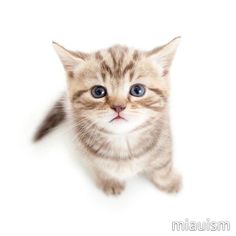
(117, 60)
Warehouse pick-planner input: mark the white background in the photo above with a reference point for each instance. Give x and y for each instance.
(43, 188)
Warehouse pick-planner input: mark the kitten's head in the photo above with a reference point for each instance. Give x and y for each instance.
(118, 89)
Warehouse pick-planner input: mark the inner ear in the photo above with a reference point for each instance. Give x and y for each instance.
(69, 58)
(163, 56)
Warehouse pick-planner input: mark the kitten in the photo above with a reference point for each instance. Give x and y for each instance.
(117, 104)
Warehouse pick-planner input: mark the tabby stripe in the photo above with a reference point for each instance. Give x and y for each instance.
(131, 75)
(98, 56)
(118, 72)
(103, 75)
(113, 57)
(135, 55)
(156, 108)
(78, 94)
(164, 164)
(106, 68)
(158, 92)
(130, 66)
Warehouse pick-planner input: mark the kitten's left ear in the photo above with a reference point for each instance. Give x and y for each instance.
(164, 55)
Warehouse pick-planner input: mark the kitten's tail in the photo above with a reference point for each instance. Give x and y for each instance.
(54, 117)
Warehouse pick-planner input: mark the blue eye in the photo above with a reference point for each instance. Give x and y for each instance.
(137, 90)
(98, 91)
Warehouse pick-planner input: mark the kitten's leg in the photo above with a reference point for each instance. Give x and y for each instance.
(165, 177)
(109, 185)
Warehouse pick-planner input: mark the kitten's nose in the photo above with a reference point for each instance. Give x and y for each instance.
(118, 108)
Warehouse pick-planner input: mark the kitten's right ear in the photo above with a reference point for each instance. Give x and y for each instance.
(68, 58)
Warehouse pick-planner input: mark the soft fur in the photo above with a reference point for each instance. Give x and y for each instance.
(119, 149)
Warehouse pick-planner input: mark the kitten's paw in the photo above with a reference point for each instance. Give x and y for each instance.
(170, 182)
(173, 185)
(111, 187)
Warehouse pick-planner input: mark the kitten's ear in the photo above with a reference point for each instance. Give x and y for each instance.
(68, 58)
(164, 55)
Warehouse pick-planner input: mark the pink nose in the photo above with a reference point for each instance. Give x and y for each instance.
(118, 108)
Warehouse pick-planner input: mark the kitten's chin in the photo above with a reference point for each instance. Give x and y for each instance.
(120, 126)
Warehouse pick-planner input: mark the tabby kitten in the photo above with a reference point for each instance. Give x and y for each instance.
(117, 104)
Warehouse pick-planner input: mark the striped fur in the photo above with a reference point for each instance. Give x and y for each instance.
(140, 142)
(55, 116)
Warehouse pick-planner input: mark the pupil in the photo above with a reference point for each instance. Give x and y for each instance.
(99, 91)
(137, 90)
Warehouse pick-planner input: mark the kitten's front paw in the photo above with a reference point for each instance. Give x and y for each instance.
(174, 184)
(170, 183)
(112, 187)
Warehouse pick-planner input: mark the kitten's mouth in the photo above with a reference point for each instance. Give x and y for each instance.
(118, 117)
